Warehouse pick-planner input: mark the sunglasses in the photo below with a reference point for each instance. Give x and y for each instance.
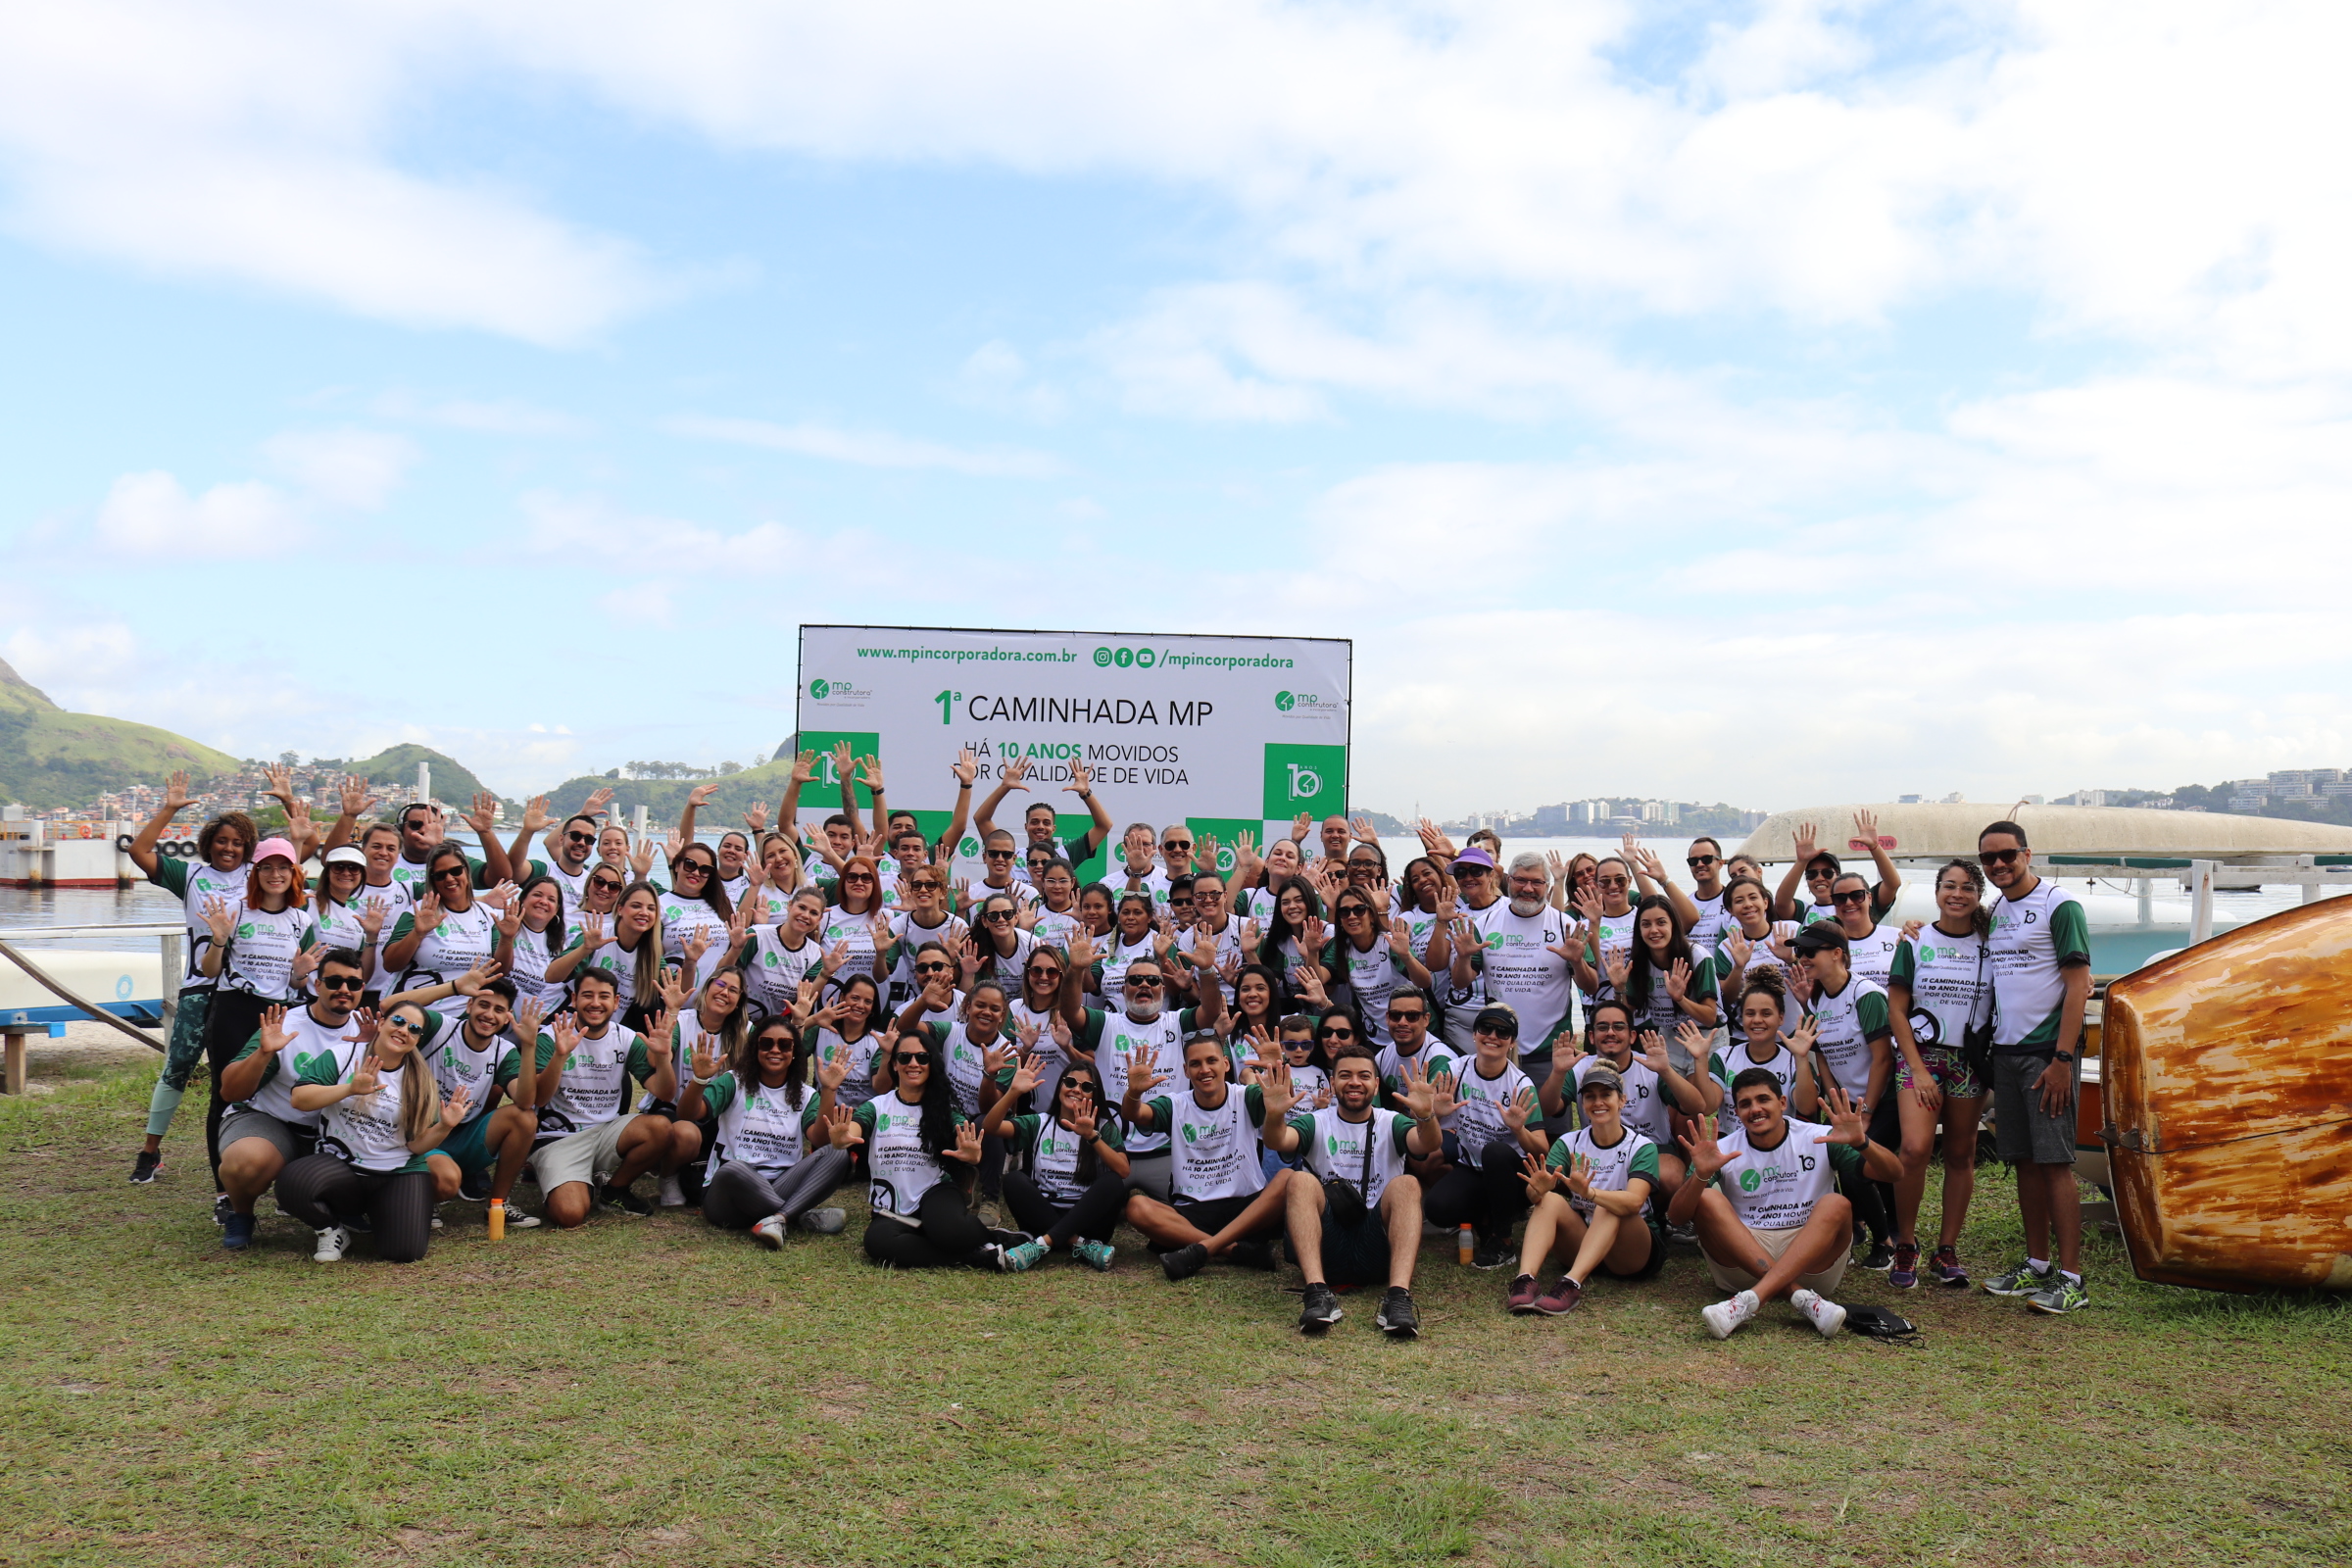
(925, 887)
(1177, 844)
(604, 884)
(457, 871)
(696, 867)
(579, 837)
(1350, 911)
(1401, 1016)
(1615, 881)
(1856, 896)
(997, 917)
(341, 982)
(1045, 971)
(1000, 855)
(857, 876)
(912, 1058)
(1338, 1032)
(1697, 862)
(1610, 1029)
(2000, 857)
(777, 1043)
(1148, 982)
(931, 968)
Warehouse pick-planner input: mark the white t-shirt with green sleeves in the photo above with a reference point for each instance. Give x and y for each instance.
(196, 884)
(762, 1128)
(1614, 1166)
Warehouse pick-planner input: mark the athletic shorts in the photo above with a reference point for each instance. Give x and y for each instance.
(1657, 1252)
(588, 1156)
(1355, 1254)
(1774, 1244)
(1213, 1214)
(291, 1140)
(2023, 1132)
(1949, 1068)
(469, 1146)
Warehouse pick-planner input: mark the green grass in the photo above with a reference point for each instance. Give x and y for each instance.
(652, 1391)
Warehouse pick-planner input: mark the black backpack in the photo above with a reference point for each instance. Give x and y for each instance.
(1877, 1323)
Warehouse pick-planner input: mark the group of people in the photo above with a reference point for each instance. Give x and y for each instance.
(1240, 1057)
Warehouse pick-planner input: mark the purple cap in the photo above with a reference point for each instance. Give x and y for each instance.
(1474, 855)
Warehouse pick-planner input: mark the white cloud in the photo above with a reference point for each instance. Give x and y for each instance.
(873, 449)
(151, 513)
(357, 468)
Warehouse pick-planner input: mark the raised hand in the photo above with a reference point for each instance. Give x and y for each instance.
(833, 1070)
(356, 796)
(699, 796)
(1082, 778)
(1653, 1052)
(1274, 1082)
(281, 785)
(755, 817)
(1026, 1076)
(510, 921)
(1692, 1039)
(845, 766)
(1315, 936)
(1807, 843)
(1740, 947)
(592, 930)
(274, 1036)
(1301, 825)
(568, 1036)
(367, 1078)
(655, 1038)
(1400, 937)
(1866, 828)
(595, 804)
(1141, 1078)
(835, 956)
(1420, 1096)
(303, 963)
(1538, 1176)
(841, 1128)
(641, 861)
(1647, 861)
(453, 1109)
(175, 794)
(696, 943)
(705, 1059)
(1617, 963)
(1799, 1040)
(1361, 830)
(1309, 982)
(1082, 949)
(1082, 1121)
(1060, 1029)
(1442, 1100)
(526, 1018)
(869, 773)
(221, 917)
(1587, 903)
(1678, 979)
(968, 1144)
(1580, 1176)
(1849, 1123)
(965, 767)
(1518, 1110)
(1245, 851)
(1700, 1149)
(673, 987)
(481, 974)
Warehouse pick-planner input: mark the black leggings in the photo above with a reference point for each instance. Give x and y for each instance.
(1488, 1193)
(949, 1233)
(234, 1018)
(1093, 1216)
(320, 1191)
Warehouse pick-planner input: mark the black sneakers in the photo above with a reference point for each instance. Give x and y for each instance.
(1252, 1254)
(1183, 1262)
(1320, 1311)
(145, 1168)
(1397, 1317)
(626, 1201)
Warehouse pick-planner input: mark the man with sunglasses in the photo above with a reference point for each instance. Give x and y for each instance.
(571, 849)
(2040, 957)
(1409, 1044)
(1039, 821)
(1701, 911)
(1819, 869)
(1474, 872)
(1003, 872)
(422, 831)
(1143, 1023)
(484, 1155)
(924, 918)
(1492, 1119)
(1854, 1044)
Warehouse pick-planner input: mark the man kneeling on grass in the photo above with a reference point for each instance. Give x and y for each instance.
(1770, 1220)
(1220, 1203)
(1360, 1210)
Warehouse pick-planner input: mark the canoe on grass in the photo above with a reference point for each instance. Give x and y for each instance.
(2226, 1080)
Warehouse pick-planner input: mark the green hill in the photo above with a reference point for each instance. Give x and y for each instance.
(395, 769)
(664, 799)
(49, 757)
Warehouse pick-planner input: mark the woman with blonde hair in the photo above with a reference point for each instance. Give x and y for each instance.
(382, 1120)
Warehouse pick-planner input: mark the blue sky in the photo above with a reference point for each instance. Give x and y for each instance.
(1769, 403)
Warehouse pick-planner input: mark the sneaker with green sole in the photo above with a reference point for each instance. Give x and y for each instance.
(2019, 1280)
(1096, 1255)
(2061, 1297)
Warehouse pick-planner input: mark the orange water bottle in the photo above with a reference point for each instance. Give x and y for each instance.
(498, 1220)
(1465, 1244)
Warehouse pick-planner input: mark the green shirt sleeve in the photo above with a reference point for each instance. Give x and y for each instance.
(1024, 1132)
(1904, 972)
(1111, 1137)
(1644, 1165)
(1401, 1129)
(1089, 1038)
(1253, 1105)
(321, 1069)
(1304, 1127)
(719, 1092)
(509, 1068)
(1559, 1156)
(1844, 1159)
(1870, 1011)
(641, 1065)
(171, 875)
(1163, 1112)
(251, 1045)
(2070, 934)
(546, 1052)
(863, 1116)
(405, 925)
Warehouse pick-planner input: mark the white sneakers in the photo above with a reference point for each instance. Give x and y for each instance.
(1819, 1311)
(769, 1232)
(333, 1242)
(826, 1221)
(672, 1196)
(1725, 1317)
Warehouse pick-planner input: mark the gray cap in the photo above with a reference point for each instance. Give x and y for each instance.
(1600, 1075)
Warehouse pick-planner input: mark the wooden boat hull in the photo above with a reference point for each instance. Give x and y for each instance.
(2227, 1085)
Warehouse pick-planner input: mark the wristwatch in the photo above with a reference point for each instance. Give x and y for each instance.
(2066, 1057)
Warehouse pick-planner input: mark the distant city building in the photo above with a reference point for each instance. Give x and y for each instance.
(1552, 815)
(1907, 800)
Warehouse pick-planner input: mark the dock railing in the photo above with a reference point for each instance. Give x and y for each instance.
(169, 934)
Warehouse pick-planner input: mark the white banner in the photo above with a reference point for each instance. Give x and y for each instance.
(1223, 733)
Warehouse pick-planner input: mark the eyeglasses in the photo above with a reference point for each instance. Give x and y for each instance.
(1700, 861)
(2000, 857)
(1850, 896)
(1045, 971)
(1610, 1029)
(1615, 881)
(925, 887)
(579, 837)
(341, 982)
(1404, 1016)
(912, 1058)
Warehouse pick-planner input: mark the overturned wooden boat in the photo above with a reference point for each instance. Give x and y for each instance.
(2227, 1084)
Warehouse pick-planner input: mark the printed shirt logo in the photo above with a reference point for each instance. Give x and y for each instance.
(1282, 700)
(1750, 1181)
(246, 929)
(1192, 1133)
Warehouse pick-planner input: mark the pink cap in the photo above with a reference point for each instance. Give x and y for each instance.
(278, 847)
